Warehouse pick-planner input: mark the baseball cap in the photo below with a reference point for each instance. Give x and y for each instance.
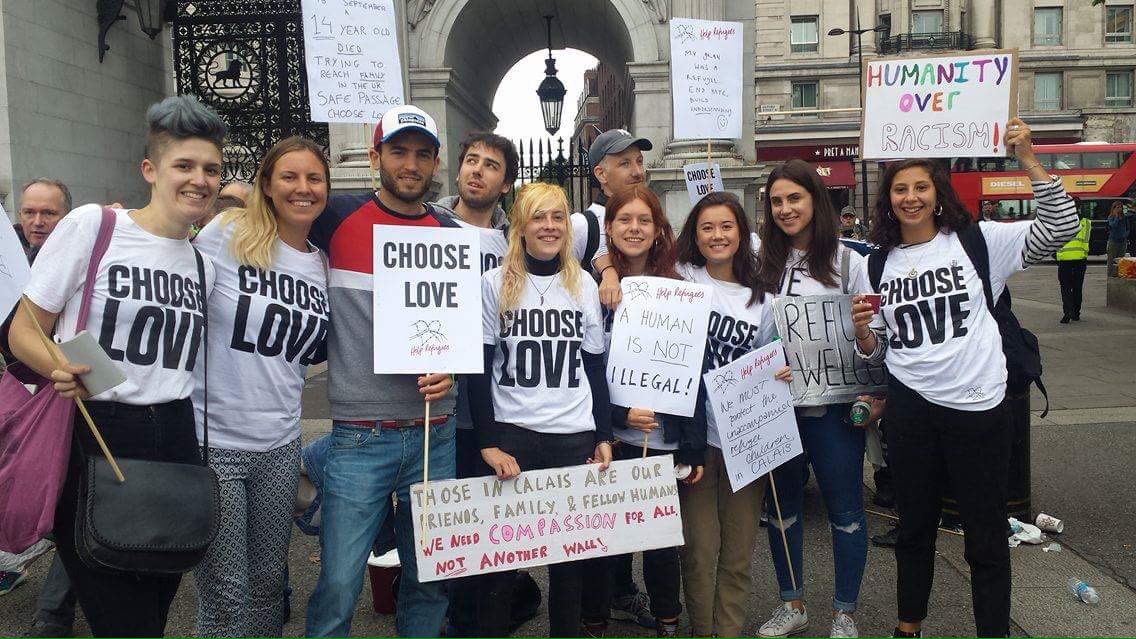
(614, 141)
(406, 117)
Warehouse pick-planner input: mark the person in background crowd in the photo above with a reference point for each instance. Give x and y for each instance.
(1119, 227)
(564, 419)
(377, 425)
(150, 416)
(718, 524)
(850, 226)
(989, 212)
(238, 191)
(1072, 261)
(266, 270)
(948, 424)
(801, 255)
(640, 242)
(43, 202)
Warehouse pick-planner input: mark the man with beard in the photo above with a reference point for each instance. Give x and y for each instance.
(377, 420)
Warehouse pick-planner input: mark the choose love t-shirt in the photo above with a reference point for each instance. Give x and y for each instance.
(734, 329)
(265, 328)
(145, 308)
(538, 371)
(797, 282)
(941, 340)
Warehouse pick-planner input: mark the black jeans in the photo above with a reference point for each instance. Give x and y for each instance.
(123, 604)
(1071, 278)
(56, 604)
(536, 451)
(607, 576)
(463, 618)
(935, 449)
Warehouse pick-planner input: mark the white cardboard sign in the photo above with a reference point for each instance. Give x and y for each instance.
(482, 525)
(939, 107)
(427, 292)
(352, 59)
(754, 414)
(698, 183)
(706, 79)
(14, 268)
(658, 335)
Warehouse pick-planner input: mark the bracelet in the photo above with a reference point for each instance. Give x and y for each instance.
(606, 268)
(1029, 168)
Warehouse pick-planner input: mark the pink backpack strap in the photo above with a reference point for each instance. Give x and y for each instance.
(102, 241)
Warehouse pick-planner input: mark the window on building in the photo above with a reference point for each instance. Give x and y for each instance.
(927, 21)
(803, 34)
(1047, 91)
(1118, 89)
(1118, 25)
(1047, 26)
(804, 95)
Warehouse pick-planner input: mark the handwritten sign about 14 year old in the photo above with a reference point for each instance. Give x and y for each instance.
(706, 79)
(482, 525)
(820, 344)
(754, 414)
(427, 286)
(941, 107)
(657, 343)
(351, 51)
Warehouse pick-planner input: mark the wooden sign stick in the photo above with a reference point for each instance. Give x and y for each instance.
(426, 471)
(709, 177)
(781, 527)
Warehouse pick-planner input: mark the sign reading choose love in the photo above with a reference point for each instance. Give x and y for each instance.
(940, 107)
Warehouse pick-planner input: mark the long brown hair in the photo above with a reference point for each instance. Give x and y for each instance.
(744, 265)
(776, 245)
(662, 254)
(950, 213)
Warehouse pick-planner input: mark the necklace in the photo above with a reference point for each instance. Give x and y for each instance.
(914, 272)
(537, 288)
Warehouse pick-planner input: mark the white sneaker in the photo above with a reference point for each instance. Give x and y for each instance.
(786, 621)
(843, 626)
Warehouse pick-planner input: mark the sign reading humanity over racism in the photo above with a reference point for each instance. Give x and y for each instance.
(427, 288)
(706, 78)
(657, 341)
(700, 179)
(820, 343)
(481, 525)
(754, 414)
(351, 50)
(943, 106)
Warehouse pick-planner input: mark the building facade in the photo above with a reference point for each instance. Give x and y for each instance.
(1075, 78)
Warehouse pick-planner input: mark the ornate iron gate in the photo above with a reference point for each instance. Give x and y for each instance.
(540, 163)
(245, 58)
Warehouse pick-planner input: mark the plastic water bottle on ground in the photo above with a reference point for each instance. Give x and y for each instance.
(1083, 591)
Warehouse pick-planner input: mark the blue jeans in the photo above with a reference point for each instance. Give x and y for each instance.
(364, 467)
(836, 450)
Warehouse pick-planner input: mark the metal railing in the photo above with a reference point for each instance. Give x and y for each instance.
(944, 40)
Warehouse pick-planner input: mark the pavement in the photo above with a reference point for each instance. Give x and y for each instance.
(1082, 456)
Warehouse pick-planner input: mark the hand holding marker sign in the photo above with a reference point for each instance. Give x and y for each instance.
(941, 106)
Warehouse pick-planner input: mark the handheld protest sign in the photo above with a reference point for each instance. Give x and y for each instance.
(753, 412)
(706, 79)
(352, 59)
(657, 343)
(820, 346)
(702, 178)
(482, 525)
(938, 106)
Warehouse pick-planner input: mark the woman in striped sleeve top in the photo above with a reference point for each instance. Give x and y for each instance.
(947, 422)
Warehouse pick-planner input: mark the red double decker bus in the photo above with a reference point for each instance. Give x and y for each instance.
(1095, 174)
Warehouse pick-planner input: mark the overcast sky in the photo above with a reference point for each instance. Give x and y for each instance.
(516, 105)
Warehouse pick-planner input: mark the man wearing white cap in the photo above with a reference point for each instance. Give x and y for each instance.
(377, 420)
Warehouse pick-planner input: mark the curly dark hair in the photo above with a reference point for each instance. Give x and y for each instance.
(745, 260)
(951, 215)
(776, 245)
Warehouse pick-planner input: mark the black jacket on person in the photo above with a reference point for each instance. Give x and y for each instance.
(684, 430)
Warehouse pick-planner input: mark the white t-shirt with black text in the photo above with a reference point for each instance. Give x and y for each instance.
(580, 235)
(942, 341)
(265, 328)
(494, 244)
(797, 282)
(538, 371)
(145, 309)
(734, 329)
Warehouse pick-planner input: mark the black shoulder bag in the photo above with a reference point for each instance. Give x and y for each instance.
(162, 519)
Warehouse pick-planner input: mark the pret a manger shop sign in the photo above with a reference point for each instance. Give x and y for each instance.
(941, 106)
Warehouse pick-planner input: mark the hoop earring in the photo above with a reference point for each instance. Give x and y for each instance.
(891, 216)
(939, 211)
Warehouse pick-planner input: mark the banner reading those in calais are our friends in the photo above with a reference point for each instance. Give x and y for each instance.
(942, 106)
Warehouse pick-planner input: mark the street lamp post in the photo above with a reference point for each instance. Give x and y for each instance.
(859, 33)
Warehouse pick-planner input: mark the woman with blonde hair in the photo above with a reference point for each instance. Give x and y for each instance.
(269, 322)
(530, 414)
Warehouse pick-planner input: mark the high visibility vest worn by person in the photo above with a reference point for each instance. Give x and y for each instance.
(1078, 247)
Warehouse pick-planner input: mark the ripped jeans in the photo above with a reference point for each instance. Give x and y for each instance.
(836, 451)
